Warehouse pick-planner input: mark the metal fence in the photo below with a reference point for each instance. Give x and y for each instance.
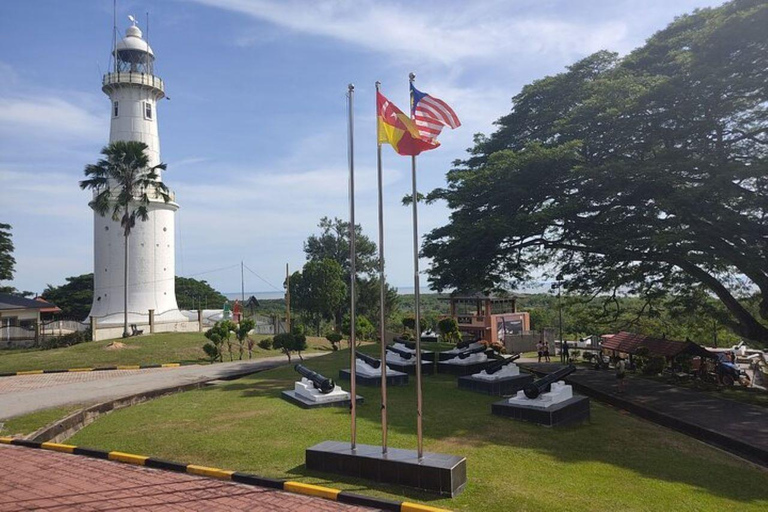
(527, 341)
(27, 336)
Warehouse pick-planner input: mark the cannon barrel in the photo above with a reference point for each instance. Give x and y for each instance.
(463, 344)
(542, 385)
(468, 352)
(498, 365)
(371, 361)
(400, 352)
(324, 384)
(410, 344)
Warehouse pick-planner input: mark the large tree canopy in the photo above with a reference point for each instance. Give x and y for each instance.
(193, 294)
(646, 175)
(333, 243)
(318, 291)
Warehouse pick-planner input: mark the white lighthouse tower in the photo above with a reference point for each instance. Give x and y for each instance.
(134, 91)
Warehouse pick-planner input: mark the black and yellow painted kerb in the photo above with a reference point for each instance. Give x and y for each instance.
(235, 476)
(98, 369)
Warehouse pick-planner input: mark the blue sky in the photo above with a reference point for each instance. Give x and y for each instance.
(255, 133)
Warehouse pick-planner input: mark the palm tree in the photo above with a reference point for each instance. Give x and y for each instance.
(123, 182)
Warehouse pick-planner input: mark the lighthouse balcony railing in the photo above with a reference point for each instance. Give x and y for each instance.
(129, 77)
(153, 194)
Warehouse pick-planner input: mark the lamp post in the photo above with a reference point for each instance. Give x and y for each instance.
(563, 350)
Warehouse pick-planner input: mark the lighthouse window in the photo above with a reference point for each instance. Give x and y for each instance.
(115, 109)
(147, 110)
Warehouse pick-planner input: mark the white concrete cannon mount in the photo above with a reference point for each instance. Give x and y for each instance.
(306, 389)
(363, 368)
(455, 351)
(506, 371)
(480, 357)
(559, 392)
(405, 348)
(395, 358)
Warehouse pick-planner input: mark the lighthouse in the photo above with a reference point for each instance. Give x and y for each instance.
(134, 92)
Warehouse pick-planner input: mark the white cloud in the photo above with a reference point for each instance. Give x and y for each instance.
(50, 117)
(445, 35)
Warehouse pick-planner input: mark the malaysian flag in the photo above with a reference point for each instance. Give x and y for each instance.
(431, 114)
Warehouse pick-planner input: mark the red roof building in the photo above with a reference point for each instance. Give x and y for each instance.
(628, 343)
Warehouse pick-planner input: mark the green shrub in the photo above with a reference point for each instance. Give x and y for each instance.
(67, 340)
(334, 338)
(211, 351)
(449, 330)
(642, 354)
(287, 343)
(266, 344)
(654, 365)
(243, 328)
(299, 344)
(219, 334)
(364, 329)
(684, 362)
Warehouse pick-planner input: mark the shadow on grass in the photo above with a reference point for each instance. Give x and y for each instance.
(360, 485)
(456, 419)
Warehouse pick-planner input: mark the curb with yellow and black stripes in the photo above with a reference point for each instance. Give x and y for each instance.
(94, 369)
(235, 476)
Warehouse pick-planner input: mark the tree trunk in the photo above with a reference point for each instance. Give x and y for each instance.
(125, 290)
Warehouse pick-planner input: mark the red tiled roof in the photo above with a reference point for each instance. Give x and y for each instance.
(628, 343)
(48, 306)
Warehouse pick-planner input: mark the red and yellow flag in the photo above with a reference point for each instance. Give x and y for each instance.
(398, 130)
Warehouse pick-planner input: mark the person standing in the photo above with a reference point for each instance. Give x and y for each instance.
(546, 351)
(621, 370)
(540, 349)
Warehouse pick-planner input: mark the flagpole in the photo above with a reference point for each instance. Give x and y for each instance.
(352, 257)
(383, 288)
(417, 297)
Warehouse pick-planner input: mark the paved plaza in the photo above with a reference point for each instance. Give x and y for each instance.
(41, 480)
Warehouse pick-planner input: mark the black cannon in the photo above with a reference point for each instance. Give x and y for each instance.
(464, 344)
(402, 353)
(468, 352)
(321, 383)
(501, 363)
(371, 361)
(537, 387)
(410, 344)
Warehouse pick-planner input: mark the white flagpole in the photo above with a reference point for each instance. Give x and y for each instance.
(383, 289)
(417, 298)
(352, 319)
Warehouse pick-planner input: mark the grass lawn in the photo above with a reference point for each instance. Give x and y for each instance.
(30, 422)
(616, 462)
(148, 349)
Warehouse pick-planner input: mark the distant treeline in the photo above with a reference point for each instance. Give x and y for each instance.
(602, 315)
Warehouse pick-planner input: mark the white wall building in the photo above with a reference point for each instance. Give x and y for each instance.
(134, 91)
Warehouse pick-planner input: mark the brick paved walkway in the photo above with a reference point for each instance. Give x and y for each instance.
(39, 480)
(27, 382)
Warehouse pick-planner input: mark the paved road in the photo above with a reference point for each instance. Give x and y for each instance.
(39, 480)
(29, 393)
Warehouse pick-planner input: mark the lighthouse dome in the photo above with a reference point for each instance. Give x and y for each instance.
(133, 42)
